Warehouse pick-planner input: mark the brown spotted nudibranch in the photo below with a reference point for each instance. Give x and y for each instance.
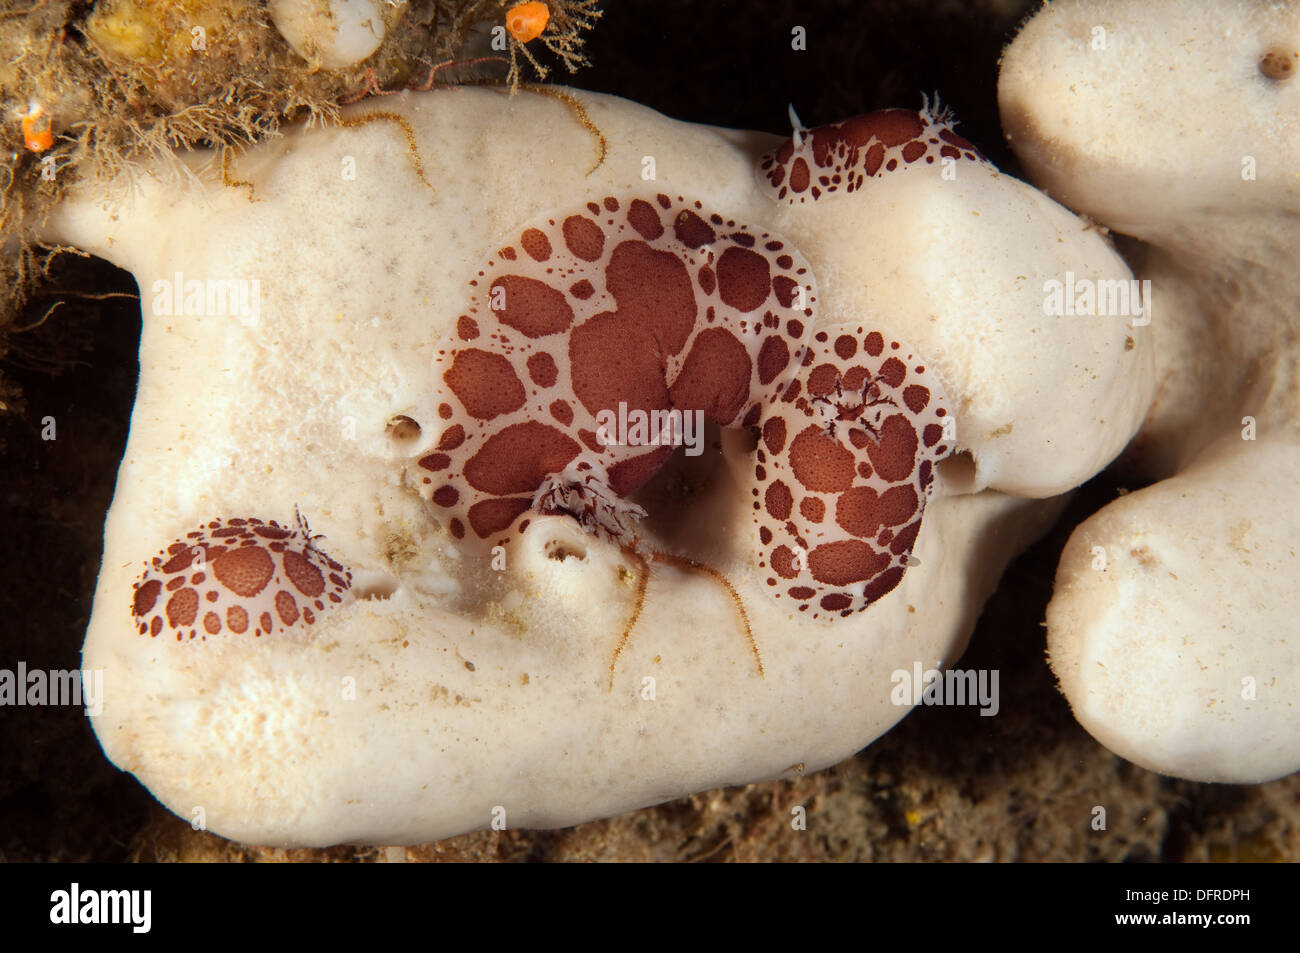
(238, 577)
(660, 305)
(839, 158)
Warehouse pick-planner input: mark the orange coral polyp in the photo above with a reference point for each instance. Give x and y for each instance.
(526, 21)
(36, 130)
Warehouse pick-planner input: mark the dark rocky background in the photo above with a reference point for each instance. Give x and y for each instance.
(944, 785)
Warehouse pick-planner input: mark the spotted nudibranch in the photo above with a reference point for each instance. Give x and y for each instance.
(842, 156)
(661, 304)
(238, 577)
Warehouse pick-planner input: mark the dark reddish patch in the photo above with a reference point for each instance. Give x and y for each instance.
(630, 475)
(744, 279)
(642, 217)
(916, 397)
(583, 237)
(237, 619)
(466, 328)
(874, 343)
(812, 509)
(714, 377)
(773, 358)
(845, 561)
(182, 608)
(799, 175)
(778, 500)
(693, 231)
(774, 434)
(305, 577)
(286, 608)
(435, 462)
(846, 346)
(582, 290)
(820, 463)
(146, 596)
(446, 496)
(518, 458)
(542, 369)
(536, 244)
(783, 562)
(532, 307)
(492, 516)
(485, 383)
(893, 372)
(562, 412)
(452, 437)
(895, 455)
(244, 571)
(862, 512)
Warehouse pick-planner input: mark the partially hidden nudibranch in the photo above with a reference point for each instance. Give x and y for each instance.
(241, 577)
(840, 157)
(661, 306)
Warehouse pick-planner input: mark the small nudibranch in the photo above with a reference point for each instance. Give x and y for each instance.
(814, 163)
(238, 577)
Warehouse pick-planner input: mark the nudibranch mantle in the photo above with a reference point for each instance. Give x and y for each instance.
(659, 305)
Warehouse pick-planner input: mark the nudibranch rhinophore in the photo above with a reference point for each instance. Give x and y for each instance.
(238, 577)
(661, 307)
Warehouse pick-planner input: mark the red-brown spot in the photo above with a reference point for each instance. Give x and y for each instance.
(932, 434)
(286, 607)
(822, 380)
(542, 369)
(531, 307)
(821, 463)
(452, 437)
(562, 412)
(305, 576)
(582, 290)
(536, 244)
(774, 434)
(845, 561)
(893, 371)
(846, 346)
(485, 383)
(744, 279)
(874, 343)
(895, 455)
(466, 328)
(146, 596)
(584, 237)
(799, 175)
(518, 458)
(492, 516)
(714, 377)
(182, 607)
(244, 571)
(642, 217)
(435, 462)
(783, 562)
(266, 623)
(693, 231)
(773, 358)
(862, 512)
(237, 619)
(629, 475)
(778, 500)
(446, 496)
(913, 151)
(916, 398)
(212, 623)
(812, 509)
